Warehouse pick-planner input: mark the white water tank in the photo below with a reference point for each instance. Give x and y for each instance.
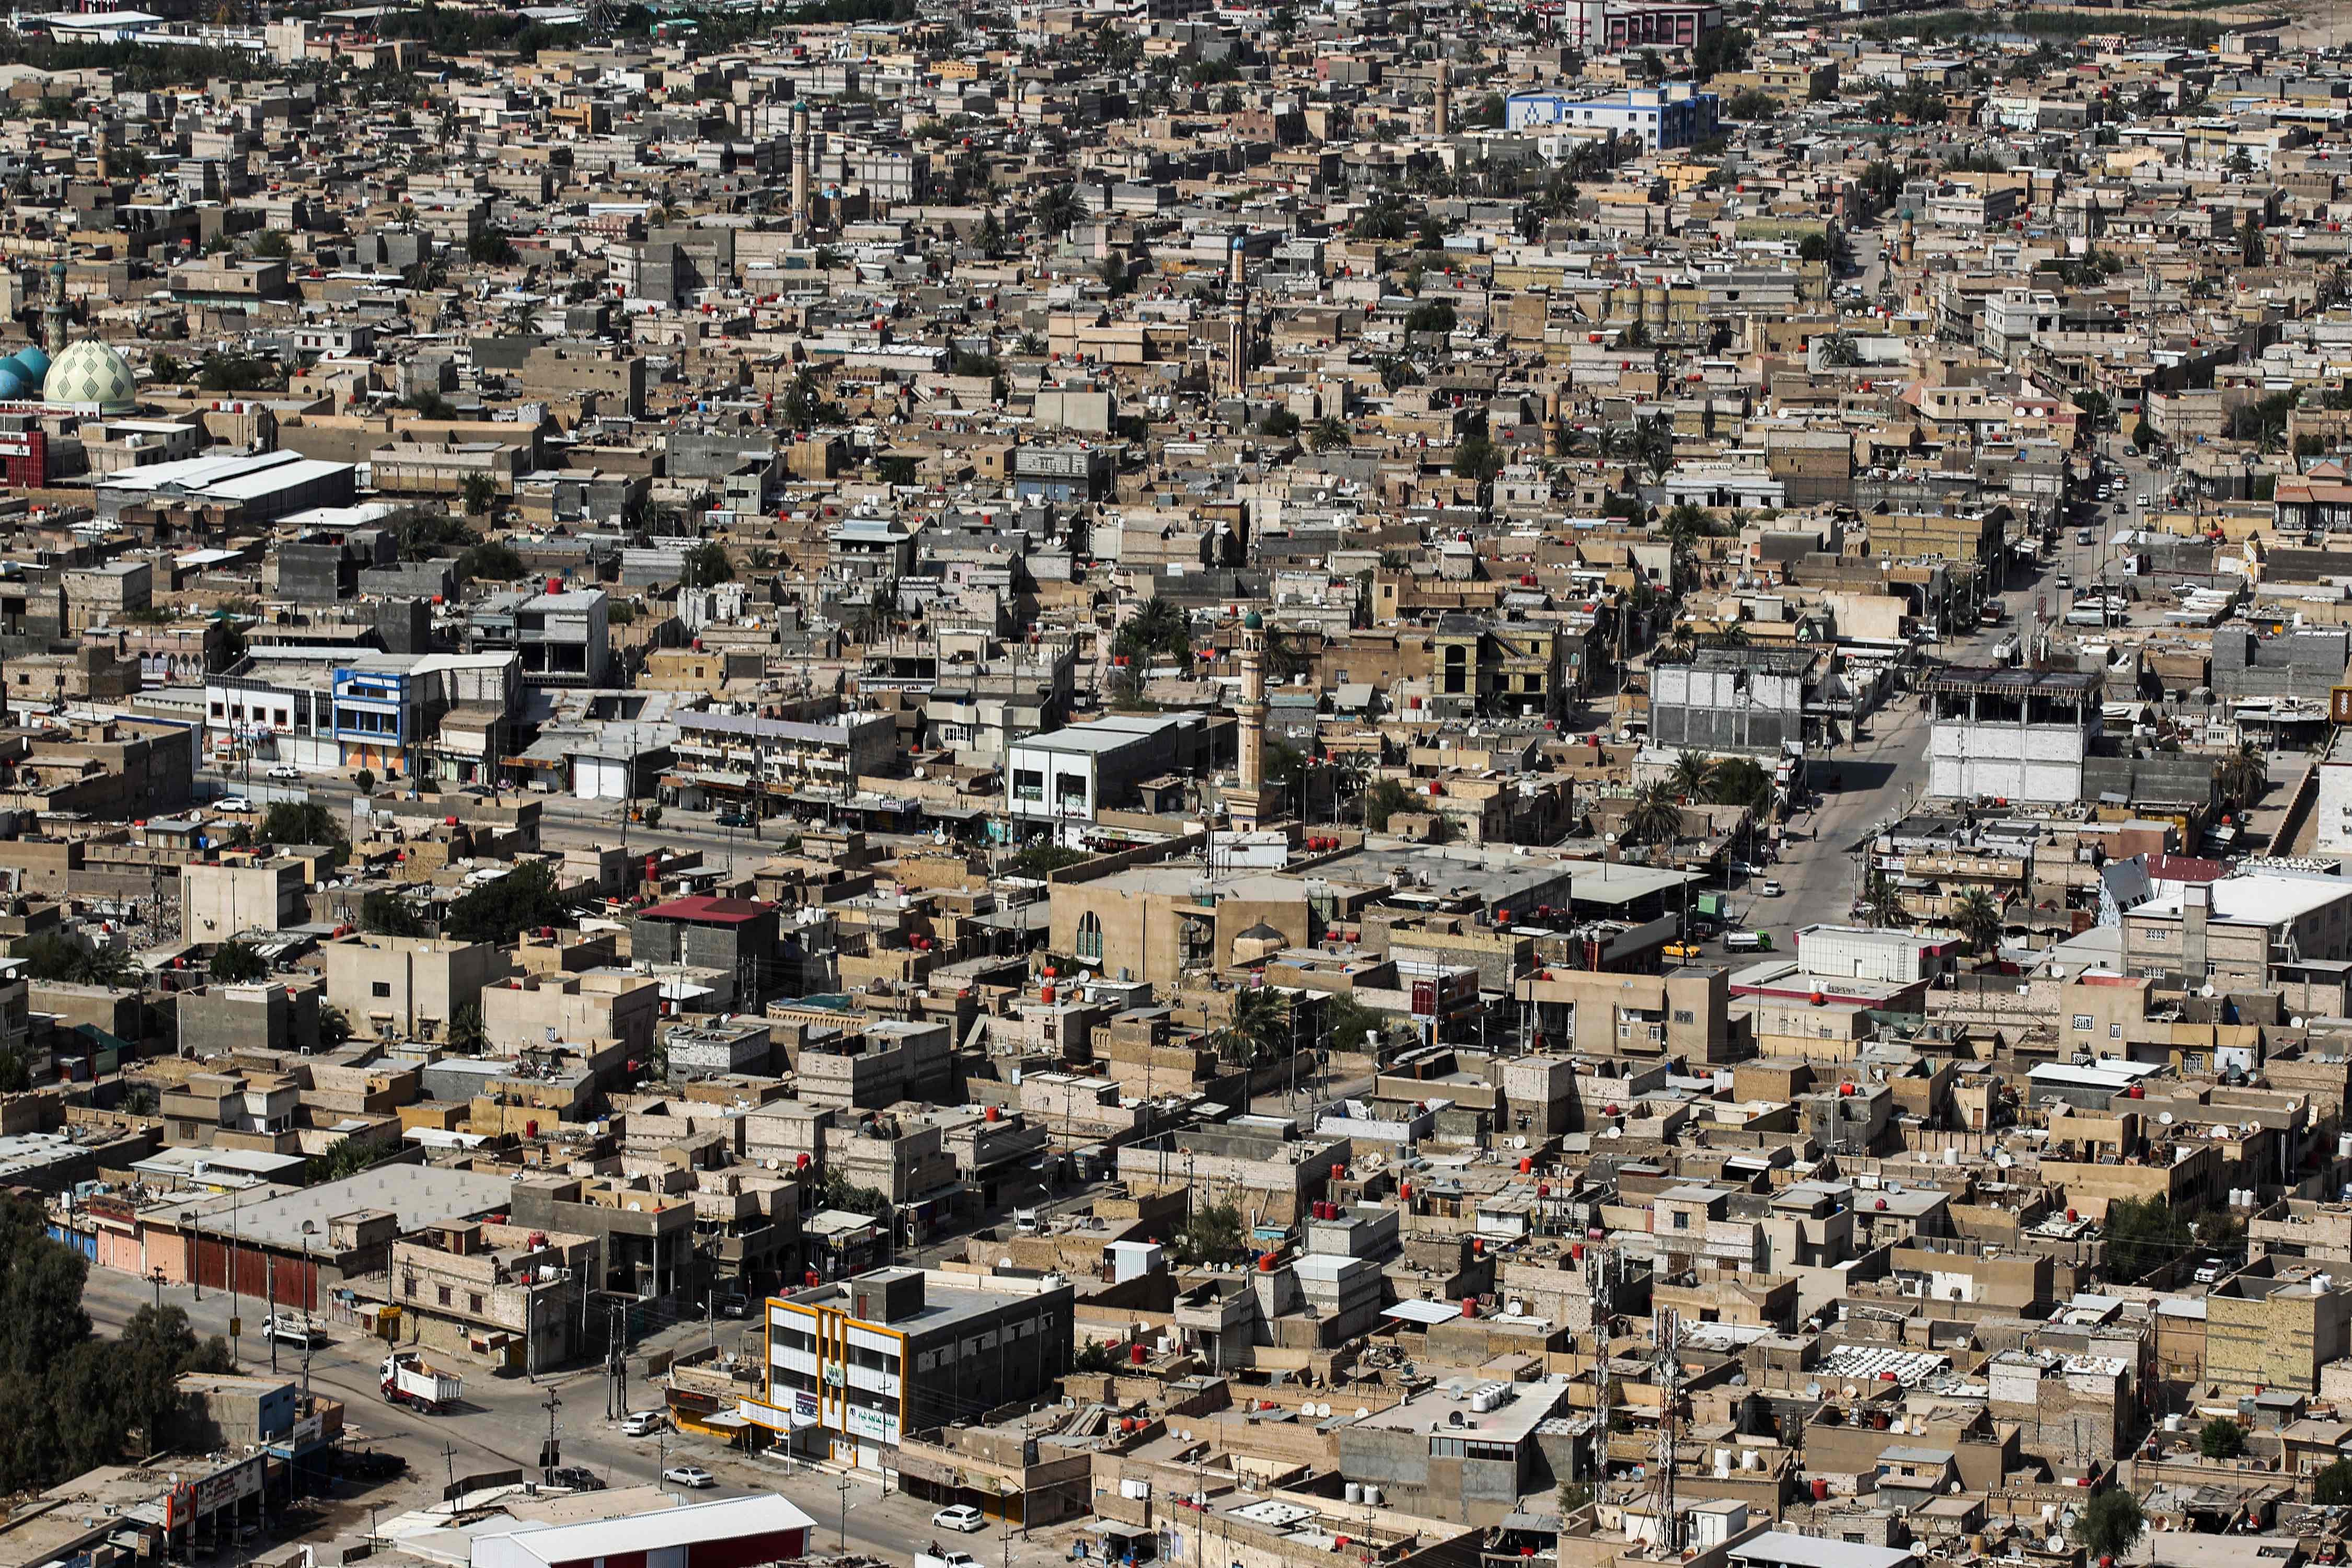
(1355, 1492)
(1371, 1494)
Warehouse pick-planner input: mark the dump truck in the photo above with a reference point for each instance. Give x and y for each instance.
(407, 1380)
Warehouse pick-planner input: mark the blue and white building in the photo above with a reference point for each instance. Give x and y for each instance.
(1673, 115)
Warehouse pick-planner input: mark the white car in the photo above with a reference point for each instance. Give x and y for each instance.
(2210, 1270)
(287, 772)
(693, 1476)
(1772, 889)
(962, 1516)
(641, 1423)
(233, 803)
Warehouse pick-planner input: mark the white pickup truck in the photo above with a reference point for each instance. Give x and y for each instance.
(407, 1380)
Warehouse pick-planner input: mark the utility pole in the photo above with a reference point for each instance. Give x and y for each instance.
(844, 1488)
(547, 1459)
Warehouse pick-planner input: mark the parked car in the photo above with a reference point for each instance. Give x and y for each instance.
(2210, 1270)
(1771, 889)
(579, 1478)
(962, 1516)
(642, 1423)
(2083, 536)
(692, 1476)
(233, 803)
(734, 817)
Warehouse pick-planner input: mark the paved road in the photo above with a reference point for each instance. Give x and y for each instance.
(502, 1421)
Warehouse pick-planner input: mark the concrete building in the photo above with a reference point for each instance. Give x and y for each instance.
(1658, 118)
(1064, 776)
(2010, 734)
(408, 987)
(1734, 701)
(854, 1365)
(1464, 1456)
(240, 894)
(590, 1007)
(502, 1294)
(2274, 1325)
(728, 1534)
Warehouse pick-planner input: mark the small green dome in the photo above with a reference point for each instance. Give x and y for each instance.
(1253, 621)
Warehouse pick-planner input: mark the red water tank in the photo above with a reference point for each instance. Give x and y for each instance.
(1469, 1306)
(1527, 1164)
(1338, 1173)
(800, 1161)
(1136, 1354)
(530, 1128)
(1046, 995)
(539, 1239)
(995, 1114)
(1265, 1262)
(555, 584)
(1821, 1489)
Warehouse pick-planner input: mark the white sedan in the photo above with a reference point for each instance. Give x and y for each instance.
(689, 1476)
(962, 1516)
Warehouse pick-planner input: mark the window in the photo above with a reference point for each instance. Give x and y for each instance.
(1682, 1219)
(2083, 1020)
(1028, 785)
(380, 988)
(2115, 1031)
(1090, 936)
(473, 1301)
(442, 1291)
(1684, 1016)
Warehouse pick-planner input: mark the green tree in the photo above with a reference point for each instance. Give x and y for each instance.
(302, 823)
(1159, 632)
(1347, 1021)
(1279, 422)
(2110, 1523)
(15, 1073)
(1749, 103)
(465, 1031)
(2142, 436)
(334, 1028)
(2243, 775)
(1655, 816)
(706, 563)
(1332, 435)
(2332, 1488)
(2221, 1438)
(1741, 781)
(479, 494)
(385, 913)
(1116, 275)
(363, 781)
(2142, 1235)
(1694, 774)
(1095, 1356)
(523, 897)
(1477, 458)
(1382, 801)
(1215, 1233)
(1814, 247)
(1978, 919)
(347, 1157)
(1259, 1030)
(490, 562)
(275, 245)
(1724, 49)
(1430, 316)
(1043, 860)
(490, 248)
(238, 963)
(2253, 250)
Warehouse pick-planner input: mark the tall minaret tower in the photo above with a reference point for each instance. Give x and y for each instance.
(1237, 306)
(799, 170)
(56, 312)
(1442, 118)
(1251, 710)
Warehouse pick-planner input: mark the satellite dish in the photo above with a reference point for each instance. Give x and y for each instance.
(1812, 1391)
(2206, 989)
(1519, 1142)
(1361, 1411)
(2164, 1119)
(2296, 1022)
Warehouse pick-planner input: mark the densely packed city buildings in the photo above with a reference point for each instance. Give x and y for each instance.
(1433, 785)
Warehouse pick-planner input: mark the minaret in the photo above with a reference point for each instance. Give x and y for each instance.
(105, 158)
(1907, 245)
(57, 307)
(1252, 710)
(1444, 106)
(799, 170)
(1554, 439)
(1237, 304)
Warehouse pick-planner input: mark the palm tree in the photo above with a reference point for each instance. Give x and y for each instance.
(1159, 626)
(1655, 443)
(1057, 209)
(1978, 918)
(1259, 1029)
(1657, 818)
(1332, 435)
(1884, 903)
(1693, 774)
(2242, 776)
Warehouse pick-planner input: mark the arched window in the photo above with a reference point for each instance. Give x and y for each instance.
(1090, 936)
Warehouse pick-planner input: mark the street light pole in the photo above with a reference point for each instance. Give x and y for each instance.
(844, 1488)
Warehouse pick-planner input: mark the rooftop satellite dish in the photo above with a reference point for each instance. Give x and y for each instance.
(2164, 1119)
(1812, 1391)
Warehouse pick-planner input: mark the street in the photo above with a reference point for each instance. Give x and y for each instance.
(501, 1420)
